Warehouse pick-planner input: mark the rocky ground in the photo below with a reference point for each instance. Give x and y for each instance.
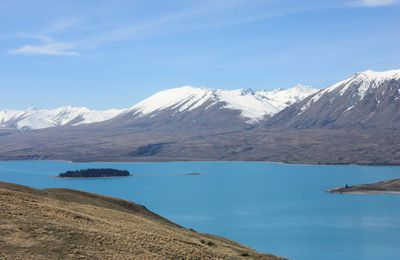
(69, 224)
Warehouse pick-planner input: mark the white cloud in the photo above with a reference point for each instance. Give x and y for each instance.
(375, 3)
(203, 16)
(48, 46)
(53, 49)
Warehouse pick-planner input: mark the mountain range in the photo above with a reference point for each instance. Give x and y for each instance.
(249, 105)
(353, 121)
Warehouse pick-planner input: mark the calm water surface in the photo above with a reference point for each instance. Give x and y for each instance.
(276, 208)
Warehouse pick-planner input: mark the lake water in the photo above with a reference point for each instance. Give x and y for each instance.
(276, 208)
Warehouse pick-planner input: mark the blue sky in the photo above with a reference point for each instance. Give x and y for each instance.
(104, 54)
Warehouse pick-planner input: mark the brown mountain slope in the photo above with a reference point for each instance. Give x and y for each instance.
(69, 224)
(315, 146)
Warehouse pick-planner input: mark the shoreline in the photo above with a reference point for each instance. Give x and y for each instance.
(370, 192)
(200, 161)
(383, 187)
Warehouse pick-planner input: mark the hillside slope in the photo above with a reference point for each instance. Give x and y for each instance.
(69, 224)
(320, 146)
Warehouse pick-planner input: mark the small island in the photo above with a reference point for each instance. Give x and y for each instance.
(191, 174)
(94, 173)
(389, 186)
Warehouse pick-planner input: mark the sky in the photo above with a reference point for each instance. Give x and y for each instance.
(102, 54)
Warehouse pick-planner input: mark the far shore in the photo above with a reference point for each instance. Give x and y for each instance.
(164, 160)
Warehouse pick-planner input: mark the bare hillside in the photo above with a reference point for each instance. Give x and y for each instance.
(69, 224)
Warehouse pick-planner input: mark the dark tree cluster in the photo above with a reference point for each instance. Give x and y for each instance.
(90, 173)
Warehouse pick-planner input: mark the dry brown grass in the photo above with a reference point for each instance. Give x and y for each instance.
(67, 224)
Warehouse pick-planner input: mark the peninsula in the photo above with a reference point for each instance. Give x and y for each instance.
(388, 186)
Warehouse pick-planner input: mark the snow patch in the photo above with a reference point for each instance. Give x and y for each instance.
(184, 98)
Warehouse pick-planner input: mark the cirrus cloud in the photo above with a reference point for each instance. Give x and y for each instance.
(53, 49)
(48, 46)
(376, 3)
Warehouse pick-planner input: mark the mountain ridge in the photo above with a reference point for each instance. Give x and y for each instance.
(366, 99)
(253, 106)
(34, 118)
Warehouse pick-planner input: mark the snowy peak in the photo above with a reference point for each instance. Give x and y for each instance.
(253, 105)
(182, 98)
(358, 86)
(364, 80)
(281, 98)
(370, 80)
(366, 99)
(378, 75)
(34, 118)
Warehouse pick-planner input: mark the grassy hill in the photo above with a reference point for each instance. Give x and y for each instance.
(62, 224)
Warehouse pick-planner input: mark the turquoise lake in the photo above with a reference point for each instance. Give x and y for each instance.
(276, 208)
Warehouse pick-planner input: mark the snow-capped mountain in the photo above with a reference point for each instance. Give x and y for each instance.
(178, 105)
(190, 123)
(366, 99)
(33, 118)
(252, 106)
